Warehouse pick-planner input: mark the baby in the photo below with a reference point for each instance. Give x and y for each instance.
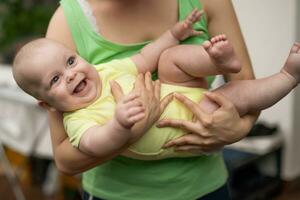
(62, 80)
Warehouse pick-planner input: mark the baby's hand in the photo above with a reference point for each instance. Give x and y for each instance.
(129, 110)
(184, 29)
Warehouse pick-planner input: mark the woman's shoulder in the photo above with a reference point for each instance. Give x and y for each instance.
(215, 6)
(58, 29)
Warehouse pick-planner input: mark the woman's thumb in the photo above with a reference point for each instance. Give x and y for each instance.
(116, 90)
(218, 98)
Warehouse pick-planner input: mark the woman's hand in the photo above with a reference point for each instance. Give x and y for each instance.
(209, 131)
(149, 95)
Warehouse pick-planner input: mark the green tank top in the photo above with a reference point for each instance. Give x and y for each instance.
(129, 179)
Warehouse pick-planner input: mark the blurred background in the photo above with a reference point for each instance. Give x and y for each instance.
(264, 165)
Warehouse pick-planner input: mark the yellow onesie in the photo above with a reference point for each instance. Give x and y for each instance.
(148, 147)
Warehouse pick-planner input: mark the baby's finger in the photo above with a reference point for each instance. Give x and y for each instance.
(135, 110)
(116, 90)
(198, 14)
(131, 97)
(133, 103)
(196, 33)
(137, 117)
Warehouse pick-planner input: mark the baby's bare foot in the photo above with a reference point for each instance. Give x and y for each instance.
(222, 54)
(292, 64)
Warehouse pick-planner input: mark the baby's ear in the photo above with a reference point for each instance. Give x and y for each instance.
(46, 106)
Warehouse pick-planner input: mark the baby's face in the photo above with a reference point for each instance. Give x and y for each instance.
(67, 81)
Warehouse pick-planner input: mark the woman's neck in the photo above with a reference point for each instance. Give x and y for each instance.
(133, 21)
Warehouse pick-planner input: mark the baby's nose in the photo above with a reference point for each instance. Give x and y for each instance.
(71, 76)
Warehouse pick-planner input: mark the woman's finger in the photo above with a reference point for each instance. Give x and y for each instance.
(148, 81)
(195, 149)
(218, 98)
(190, 148)
(139, 83)
(188, 139)
(157, 89)
(116, 90)
(203, 117)
(165, 102)
(178, 123)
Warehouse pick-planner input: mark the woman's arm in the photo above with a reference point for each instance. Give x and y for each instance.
(222, 19)
(67, 158)
(58, 29)
(224, 126)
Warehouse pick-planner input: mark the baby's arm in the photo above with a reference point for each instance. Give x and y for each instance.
(255, 95)
(147, 59)
(107, 139)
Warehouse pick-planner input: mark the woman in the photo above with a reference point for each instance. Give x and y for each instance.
(119, 28)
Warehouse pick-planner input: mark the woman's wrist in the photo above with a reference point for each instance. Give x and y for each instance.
(247, 122)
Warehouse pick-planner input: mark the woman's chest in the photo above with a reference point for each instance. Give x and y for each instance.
(139, 22)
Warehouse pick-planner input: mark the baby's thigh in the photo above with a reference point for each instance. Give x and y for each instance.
(171, 68)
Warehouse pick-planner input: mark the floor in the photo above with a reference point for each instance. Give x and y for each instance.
(291, 191)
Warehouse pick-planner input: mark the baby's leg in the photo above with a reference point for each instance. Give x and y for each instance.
(222, 54)
(259, 94)
(185, 64)
(292, 65)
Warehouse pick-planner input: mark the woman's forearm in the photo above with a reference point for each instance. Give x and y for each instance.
(67, 158)
(248, 121)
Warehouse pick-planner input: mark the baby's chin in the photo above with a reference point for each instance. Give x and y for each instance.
(72, 108)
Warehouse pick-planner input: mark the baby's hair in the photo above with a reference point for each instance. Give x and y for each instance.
(25, 58)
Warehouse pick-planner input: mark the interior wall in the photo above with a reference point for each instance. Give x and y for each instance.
(269, 29)
(295, 140)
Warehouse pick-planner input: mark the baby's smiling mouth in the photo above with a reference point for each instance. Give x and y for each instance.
(80, 86)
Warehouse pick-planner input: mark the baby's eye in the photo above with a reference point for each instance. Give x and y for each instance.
(71, 61)
(54, 80)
